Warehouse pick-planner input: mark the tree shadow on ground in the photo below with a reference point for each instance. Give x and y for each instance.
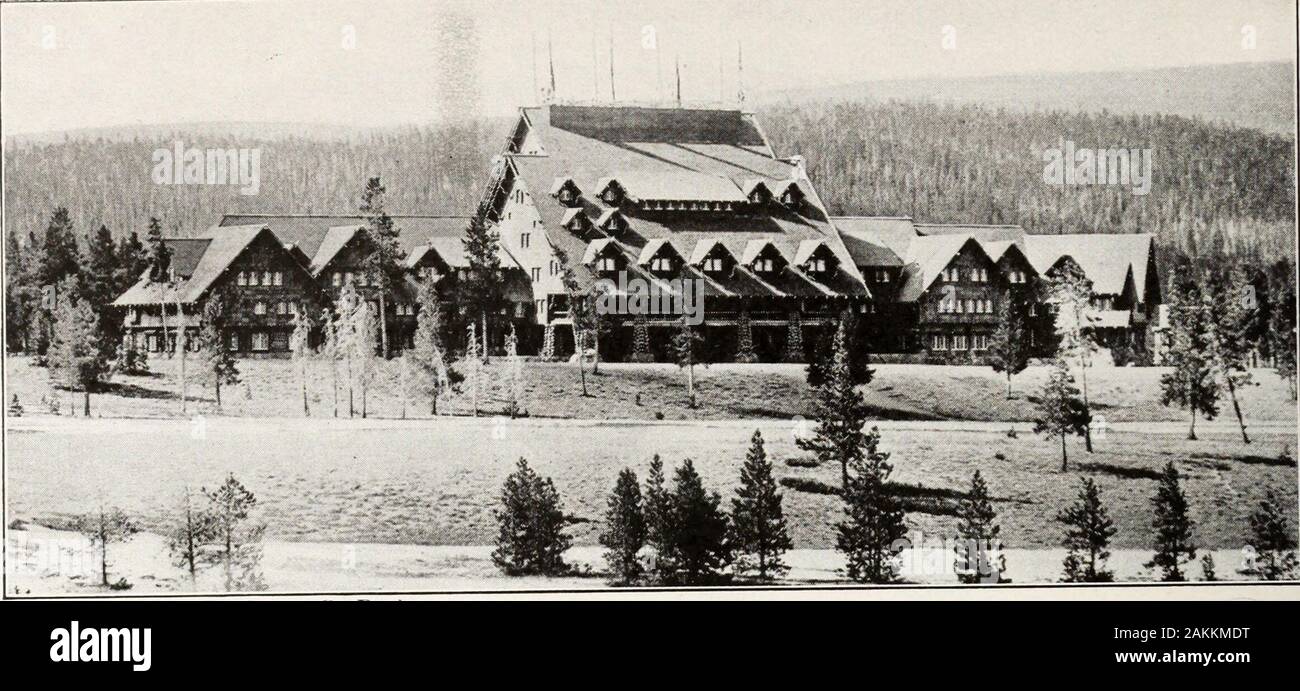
(1126, 472)
(1249, 459)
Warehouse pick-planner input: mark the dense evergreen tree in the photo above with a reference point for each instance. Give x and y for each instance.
(1281, 341)
(1088, 530)
(221, 366)
(1174, 544)
(99, 286)
(1191, 383)
(979, 548)
(1061, 412)
(530, 526)
(1070, 292)
(481, 293)
(1009, 350)
(1273, 539)
(132, 261)
(818, 371)
(1232, 315)
(760, 535)
(383, 261)
(657, 509)
(160, 256)
(873, 531)
(76, 356)
(60, 257)
(840, 413)
(695, 535)
(625, 529)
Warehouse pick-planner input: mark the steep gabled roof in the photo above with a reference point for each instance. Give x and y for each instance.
(876, 240)
(929, 256)
(220, 251)
(1106, 259)
(336, 238)
(648, 156)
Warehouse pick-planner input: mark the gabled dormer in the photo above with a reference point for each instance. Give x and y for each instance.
(713, 258)
(612, 221)
(611, 191)
(764, 258)
(792, 196)
(577, 222)
(757, 192)
(816, 258)
(566, 191)
(604, 257)
(660, 258)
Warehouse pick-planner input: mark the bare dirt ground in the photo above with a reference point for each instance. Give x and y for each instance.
(272, 388)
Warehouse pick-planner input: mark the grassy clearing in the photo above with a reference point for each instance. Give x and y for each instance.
(644, 392)
(436, 482)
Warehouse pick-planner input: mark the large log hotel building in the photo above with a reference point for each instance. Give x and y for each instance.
(658, 194)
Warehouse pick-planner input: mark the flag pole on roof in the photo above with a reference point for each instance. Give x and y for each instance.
(677, 67)
(612, 96)
(550, 58)
(740, 74)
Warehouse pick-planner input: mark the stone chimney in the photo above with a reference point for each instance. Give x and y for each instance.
(799, 171)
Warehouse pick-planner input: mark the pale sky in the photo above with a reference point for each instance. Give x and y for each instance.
(385, 62)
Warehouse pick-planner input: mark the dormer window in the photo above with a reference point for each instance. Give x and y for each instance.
(606, 265)
(613, 193)
(713, 265)
(758, 194)
(612, 222)
(576, 221)
(566, 191)
(882, 275)
(792, 197)
(817, 266)
(661, 265)
(764, 265)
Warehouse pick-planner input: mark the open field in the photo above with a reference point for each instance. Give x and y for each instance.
(641, 391)
(436, 482)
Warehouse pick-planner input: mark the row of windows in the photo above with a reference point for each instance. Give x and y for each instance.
(958, 342)
(265, 278)
(342, 278)
(980, 306)
(282, 307)
(952, 274)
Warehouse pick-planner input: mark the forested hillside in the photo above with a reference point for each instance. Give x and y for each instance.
(1214, 187)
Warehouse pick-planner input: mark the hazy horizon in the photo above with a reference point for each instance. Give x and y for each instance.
(108, 65)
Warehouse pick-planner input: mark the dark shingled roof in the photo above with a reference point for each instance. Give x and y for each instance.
(186, 253)
(669, 125)
(652, 145)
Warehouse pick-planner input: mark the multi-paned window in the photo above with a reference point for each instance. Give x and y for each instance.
(661, 264)
(261, 341)
(713, 265)
(555, 267)
(817, 265)
(980, 342)
(282, 307)
(337, 279)
(979, 275)
(606, 264)
(951, 275)
(259, 307)
(233, 341)
(536, 272)
(959, 342)
(525, 240)
(938, 342)
(1016, 276)
(882, 275)
(764, 265)
(242, 279)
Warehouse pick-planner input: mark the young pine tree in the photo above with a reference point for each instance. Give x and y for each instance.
(979, 549)
(687, 347)
(384, 260)
(625, 529)
(221, 365)
(530, 526)
(1282, 328)
(1274, 540)
(433, 376)
(1061, 412)
(1009, 347)
(1071, 290)
(657, 515)
(191, 534)
(696, 533)
(1232, 314)
(872, 533)
(103, 528)
(1088, 530)
(759, 532)
(840, 413)
(301, 352)
(1190, 383)
(481, 291)
(1174, 545)
(236, 535)
(76, 358)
